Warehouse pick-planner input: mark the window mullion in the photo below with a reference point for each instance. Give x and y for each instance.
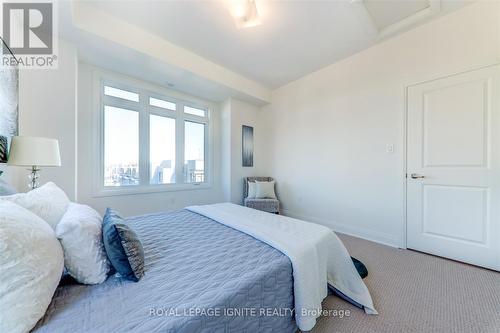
(143, 139)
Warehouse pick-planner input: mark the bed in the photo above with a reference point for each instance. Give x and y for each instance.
(216, 268)
(192, 262)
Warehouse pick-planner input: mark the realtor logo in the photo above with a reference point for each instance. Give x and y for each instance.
(29, 34)
(28, 27)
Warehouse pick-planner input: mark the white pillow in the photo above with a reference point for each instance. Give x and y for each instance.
(48, 202)
(252, 189)
(31, 265)
(265, 190)
(80, 233)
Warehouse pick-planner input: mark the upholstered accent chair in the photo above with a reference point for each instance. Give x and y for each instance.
(267, 205)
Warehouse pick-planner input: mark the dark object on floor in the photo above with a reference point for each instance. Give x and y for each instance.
(363, 272)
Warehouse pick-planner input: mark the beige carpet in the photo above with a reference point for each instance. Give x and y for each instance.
(416, 292)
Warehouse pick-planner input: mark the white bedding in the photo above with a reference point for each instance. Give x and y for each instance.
(318, 256)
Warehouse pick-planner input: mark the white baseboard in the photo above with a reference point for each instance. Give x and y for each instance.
(370, 235)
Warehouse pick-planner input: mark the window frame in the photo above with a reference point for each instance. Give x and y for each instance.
(145, 91)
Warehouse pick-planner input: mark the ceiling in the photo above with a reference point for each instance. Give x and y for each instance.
(294, 39)
(386, 13)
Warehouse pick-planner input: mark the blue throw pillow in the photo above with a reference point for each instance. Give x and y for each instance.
(123, 247)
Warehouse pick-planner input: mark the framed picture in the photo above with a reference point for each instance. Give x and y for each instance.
(9, 94)
(247, 146)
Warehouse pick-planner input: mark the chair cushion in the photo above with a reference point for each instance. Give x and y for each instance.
(265, 190)
(267, 205)
(252, 190)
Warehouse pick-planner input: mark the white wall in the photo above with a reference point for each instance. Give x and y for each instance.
(235, 114)
(225, 108)
(243, 114)
(135, 204)
(47, 107)
(326, 133)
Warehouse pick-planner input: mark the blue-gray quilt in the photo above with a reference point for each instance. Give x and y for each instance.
(200, 276)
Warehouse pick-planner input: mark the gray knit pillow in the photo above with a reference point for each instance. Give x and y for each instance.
(133, 249)
(123, 247)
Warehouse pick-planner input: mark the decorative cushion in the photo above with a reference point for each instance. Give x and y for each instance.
(6, 188)
(31, 264)
(80, 234)
(252, 189)
(265, 190)
(123, 247)
(48, 202)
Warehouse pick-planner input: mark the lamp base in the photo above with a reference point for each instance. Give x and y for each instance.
(33, 177)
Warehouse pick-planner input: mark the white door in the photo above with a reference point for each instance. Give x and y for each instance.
(453, 163)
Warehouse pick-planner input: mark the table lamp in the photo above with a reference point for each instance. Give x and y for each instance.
(34, 152)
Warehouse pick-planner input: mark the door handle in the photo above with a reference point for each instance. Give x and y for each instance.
(416, 176)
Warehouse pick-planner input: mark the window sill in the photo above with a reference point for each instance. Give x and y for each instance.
(134, 190)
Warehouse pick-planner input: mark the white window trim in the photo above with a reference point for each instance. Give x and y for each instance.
(99, 78)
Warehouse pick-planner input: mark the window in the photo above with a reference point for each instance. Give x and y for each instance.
(161, 149)
(194, 111)
(161, 103)
(194, 152)
(119, 93)
(121, 147)
(150, 141)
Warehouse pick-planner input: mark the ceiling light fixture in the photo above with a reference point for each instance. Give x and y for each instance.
(245, 13)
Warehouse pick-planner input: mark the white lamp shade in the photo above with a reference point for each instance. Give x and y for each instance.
(34, 151)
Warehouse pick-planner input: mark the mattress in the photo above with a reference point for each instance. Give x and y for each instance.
(200, 276)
